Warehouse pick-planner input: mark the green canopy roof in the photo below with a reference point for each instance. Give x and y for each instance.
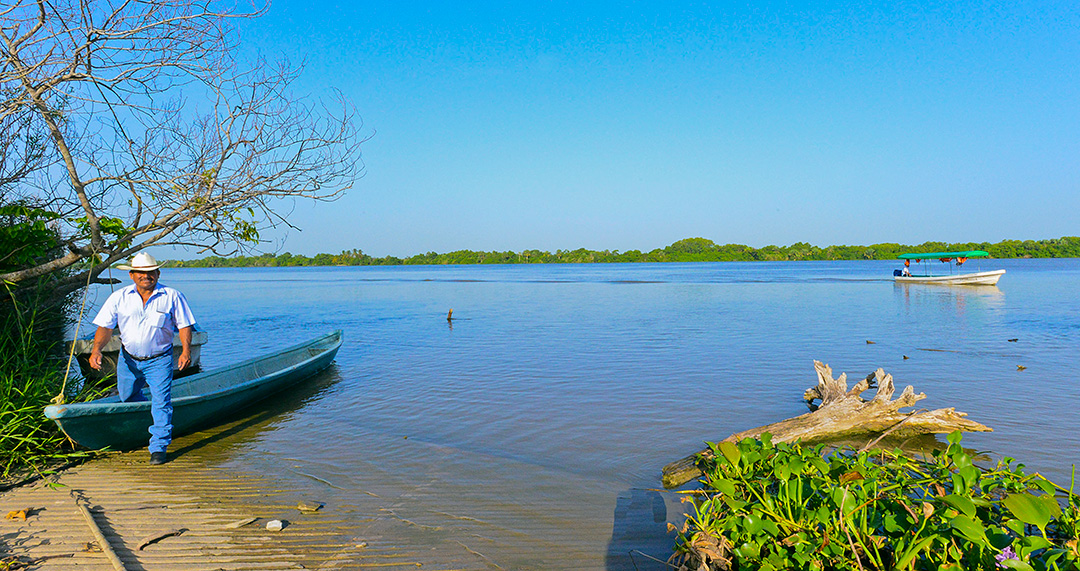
(935, 255)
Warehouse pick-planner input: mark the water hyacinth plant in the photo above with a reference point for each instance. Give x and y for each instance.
(785, 506)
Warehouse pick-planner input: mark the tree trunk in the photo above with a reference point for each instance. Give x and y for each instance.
(843, 414)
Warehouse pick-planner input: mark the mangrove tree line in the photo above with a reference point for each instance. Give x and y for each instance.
(688, 250)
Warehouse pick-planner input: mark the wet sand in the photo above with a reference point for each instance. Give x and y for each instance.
(132, 502)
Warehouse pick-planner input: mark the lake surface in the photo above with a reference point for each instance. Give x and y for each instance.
(531, 433)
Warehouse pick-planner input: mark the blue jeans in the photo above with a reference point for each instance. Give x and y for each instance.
(156, 373)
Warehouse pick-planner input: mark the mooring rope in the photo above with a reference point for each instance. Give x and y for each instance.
(59, 399)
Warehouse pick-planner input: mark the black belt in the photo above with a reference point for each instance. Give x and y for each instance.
(163, 353)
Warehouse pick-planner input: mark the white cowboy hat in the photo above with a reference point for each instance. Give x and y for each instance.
(141, 262)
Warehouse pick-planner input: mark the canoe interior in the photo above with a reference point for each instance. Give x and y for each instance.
(199, 401)
(254, 369)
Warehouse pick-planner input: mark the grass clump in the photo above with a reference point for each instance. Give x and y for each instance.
(27, 382)
(784, 506)
(31, 374)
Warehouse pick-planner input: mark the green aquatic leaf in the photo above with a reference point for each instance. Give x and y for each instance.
(782, 472)
(724, 486)
(818, 463)
(752, 523)
(797, 465)
(961, 459)
(961, 504)
(843, 498)
(1052, 555)
(1030, 509)
(770, 526)
(960, 485)
(1032, 543)
(970, 529)
(971, 475)
(999, 538)
(751, 457)
(1045, 485)
(735, 505)
(731, 452)
(905, 557)
(1016, 526)
(1052, 505)
(1016, 564)
(748, 550)
(891, 524)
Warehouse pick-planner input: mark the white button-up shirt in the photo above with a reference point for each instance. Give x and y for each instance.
(146, 330)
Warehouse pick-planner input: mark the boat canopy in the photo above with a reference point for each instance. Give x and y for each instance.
(941, 255)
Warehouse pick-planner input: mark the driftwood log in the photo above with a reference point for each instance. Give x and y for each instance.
(843, 414)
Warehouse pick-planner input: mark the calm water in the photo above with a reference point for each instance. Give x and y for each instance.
(531, 433)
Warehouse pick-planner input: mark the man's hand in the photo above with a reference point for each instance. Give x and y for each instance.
(183, 360)
(95, 359)
(101, 337)
(185, 349)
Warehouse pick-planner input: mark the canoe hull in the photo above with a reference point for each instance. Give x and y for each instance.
(977, 278)
(199, 401)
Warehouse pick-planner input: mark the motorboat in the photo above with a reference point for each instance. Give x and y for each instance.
(955, 275)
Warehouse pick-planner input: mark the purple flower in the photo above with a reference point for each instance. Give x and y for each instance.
(1006, 553)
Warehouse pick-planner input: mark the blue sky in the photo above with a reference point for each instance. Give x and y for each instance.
(630, 125)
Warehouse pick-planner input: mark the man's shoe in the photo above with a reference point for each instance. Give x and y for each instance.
(157, 458)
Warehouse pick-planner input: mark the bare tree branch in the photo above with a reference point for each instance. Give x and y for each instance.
(135, 122)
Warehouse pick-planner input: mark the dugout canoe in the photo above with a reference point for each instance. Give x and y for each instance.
(199, 401)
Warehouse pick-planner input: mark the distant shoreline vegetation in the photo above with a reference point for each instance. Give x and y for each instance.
(688, 250)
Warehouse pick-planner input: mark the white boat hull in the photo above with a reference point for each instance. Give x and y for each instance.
(977, 278)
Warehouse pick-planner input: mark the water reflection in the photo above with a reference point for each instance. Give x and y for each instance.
(950, 297)
(215, 442)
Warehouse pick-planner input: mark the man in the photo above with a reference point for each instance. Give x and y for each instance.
(148, 314)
